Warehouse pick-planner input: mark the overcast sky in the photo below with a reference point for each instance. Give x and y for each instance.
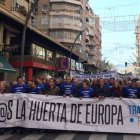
(118, 20)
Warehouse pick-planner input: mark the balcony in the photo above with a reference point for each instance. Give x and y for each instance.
(92, 53)
(66, 40)
(91, 45)
(76, 2)
(2, 1)
(70, 26)
(91, 31)
(65, 12)
(21, 9)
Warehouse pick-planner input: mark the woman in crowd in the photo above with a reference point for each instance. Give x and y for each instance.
(116, 90)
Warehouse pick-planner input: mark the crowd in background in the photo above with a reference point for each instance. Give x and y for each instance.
(87, 88)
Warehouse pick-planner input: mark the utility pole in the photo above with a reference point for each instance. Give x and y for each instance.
(24, 34)
(125, 67)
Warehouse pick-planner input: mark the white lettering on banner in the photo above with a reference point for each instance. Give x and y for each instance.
(105, 75)
(56, 112)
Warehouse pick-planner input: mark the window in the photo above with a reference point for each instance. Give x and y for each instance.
(2, 1)
(49, 55)
(44, 8)
(38, 51)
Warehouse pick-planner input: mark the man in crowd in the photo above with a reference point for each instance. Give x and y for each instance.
(53, 89)
(130, 91)
(101, 90)
(33, 89)
(86, 91)
(67, 88)
(40, 84)
(19, 87)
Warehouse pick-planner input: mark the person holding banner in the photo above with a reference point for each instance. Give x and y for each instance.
(67, 88)
(101, 90)
(40, 84)
(33, 89)
(130, 91)
(52, 89)
(86, 91)
(1, 87)
(138, 87)
(19, 87)
(116, 90)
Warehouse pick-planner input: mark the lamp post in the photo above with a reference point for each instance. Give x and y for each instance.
(72, 47)
(24, 34)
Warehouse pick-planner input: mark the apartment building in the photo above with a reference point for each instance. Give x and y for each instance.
(137, 32)
(73, 23)
(41, 52)
(138, 40)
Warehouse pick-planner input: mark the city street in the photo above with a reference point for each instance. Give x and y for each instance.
(67, 136)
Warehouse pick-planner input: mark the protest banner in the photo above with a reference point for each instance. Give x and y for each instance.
(104, 75)
(56, 112)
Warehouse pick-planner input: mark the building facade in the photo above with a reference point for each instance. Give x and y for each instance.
(137, 32)
(65, 20)
(42, 56)
(138, 40)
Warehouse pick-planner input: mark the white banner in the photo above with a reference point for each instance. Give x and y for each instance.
(104, 75)
(55, 112)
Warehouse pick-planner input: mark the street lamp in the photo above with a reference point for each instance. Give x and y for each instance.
(24, 34)
(72, 47)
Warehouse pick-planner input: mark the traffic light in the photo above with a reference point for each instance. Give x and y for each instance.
(125, 64)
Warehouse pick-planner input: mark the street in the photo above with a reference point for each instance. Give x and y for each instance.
(67, 136)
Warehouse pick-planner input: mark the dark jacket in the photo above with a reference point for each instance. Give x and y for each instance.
(102, 91)
(54, 91)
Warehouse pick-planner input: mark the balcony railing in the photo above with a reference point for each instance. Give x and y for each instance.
(66, 12)
(66, 40)
(77, 2)
(19, 8)
(2, 1)
(65, 26)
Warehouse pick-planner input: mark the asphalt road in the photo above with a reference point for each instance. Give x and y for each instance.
(58, 135)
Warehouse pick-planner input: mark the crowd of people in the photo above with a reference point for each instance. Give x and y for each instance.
(96, 88)
(87, 88)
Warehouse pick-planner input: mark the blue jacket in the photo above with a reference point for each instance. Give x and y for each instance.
(34, 90)
(67, 89)
(86, 93)
(129, 92)
(19, 88)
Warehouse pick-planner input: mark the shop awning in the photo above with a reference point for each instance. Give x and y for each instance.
(5, 66)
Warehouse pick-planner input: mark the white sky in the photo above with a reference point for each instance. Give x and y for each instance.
(118, 47)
